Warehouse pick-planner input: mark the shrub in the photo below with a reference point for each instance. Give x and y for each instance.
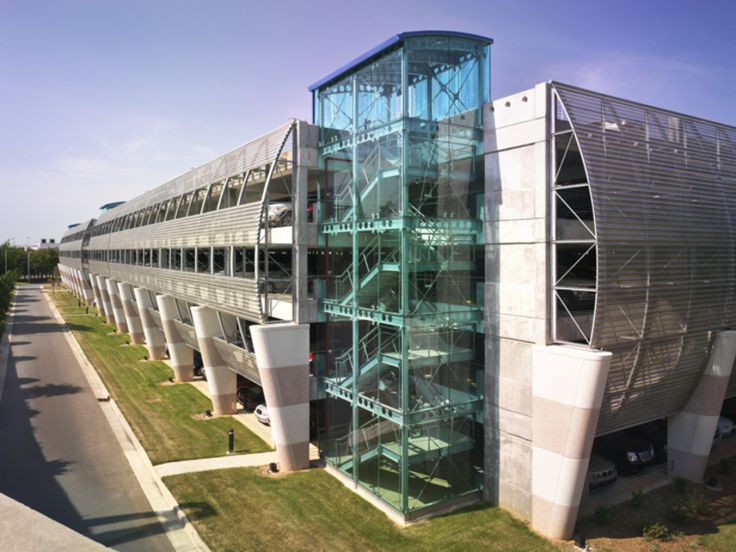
(696, 504)
(638, 498)
(656, 531)
(602, 515)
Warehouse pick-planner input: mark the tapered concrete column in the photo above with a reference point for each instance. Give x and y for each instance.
(690, 433)
(282, 354)
(117, 305)
(96, 292)
(222, 381)
(106, 305)
(130, 310)
(76, 285)
(567, 391)
(78, 281)
(155, 341)
(181, 356)
(87, 289)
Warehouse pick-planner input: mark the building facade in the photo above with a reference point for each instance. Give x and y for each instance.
(472, 290)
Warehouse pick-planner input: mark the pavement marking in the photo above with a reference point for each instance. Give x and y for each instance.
(177, 526)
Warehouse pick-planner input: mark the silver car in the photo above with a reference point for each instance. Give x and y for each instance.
(261, 413)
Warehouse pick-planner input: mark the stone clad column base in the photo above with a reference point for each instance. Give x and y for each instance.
(158, 352)
(221, 381)
(690, 432)
(282, 354)
(567, 391)
(181, 359)
(553, 519)
(223, 404)
(183, 373)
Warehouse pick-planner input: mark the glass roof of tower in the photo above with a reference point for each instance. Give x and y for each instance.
(387, 44)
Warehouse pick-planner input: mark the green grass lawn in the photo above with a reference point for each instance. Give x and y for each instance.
(160, 415)
(239, 509)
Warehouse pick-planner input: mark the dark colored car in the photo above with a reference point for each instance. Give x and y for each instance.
(249, 395)
(629, 452)
(656, 433)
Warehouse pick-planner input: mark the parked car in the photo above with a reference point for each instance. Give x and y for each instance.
(601, 472)
(250, 396)
(628, 452)
(725, 426)
(717, 436)
(655, 433)
(199, 365)
(261, 413)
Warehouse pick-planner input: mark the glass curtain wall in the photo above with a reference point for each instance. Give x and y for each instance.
(401, 203)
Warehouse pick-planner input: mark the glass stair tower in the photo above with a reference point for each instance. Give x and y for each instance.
(401, 200)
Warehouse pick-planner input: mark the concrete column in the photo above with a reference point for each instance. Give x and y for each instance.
(80, 284)
(182, 357)
(222, 381)
(155, 341)
(690, 433)
(117, 305)
(567, 391)
(75, 283)
(130, 310)
(96, 292)
(87, 289)
(282, 354)
(106, 305)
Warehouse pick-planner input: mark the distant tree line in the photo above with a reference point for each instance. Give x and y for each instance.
(7, 283)
(43, 261)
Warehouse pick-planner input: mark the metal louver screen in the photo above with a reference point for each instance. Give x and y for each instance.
(251, 155)
(663, 188)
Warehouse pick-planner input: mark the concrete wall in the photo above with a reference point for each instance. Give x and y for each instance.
(516, 313)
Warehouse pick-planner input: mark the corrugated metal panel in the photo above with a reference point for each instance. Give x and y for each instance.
(156, 317)
(237, 296)
(663, 188)
(233, 226)
(242, 362)
(188, 336)
(251, 155)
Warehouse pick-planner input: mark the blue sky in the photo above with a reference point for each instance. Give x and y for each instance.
(102, 100)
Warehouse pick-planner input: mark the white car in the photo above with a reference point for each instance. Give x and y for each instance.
(261, 413)
(725, 426)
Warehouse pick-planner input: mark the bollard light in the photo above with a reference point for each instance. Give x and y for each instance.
(230, 441)
(273, 468)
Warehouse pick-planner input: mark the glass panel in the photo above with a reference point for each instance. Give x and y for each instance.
(186, 200)
(232, 192)
(197, 202)
(213, 197)
(173, 206)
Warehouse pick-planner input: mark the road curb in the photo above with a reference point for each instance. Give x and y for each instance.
(179, 529)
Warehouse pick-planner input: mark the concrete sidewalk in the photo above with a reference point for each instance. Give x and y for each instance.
(218, 463)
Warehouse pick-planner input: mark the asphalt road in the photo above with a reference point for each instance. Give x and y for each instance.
(58, 454)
